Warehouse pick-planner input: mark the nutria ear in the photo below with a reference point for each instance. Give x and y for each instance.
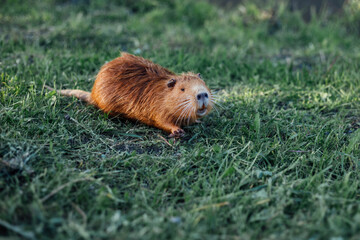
(171, 83)
(199, 75)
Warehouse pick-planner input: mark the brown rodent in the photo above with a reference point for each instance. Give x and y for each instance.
(139, 89)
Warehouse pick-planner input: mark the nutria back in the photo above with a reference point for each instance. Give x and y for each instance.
(130, 85)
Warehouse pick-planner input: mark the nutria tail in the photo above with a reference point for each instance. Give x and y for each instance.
(80, 94)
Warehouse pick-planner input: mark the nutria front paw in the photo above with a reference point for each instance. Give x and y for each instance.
(178, 133)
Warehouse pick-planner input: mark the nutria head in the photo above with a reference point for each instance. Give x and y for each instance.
(189, 98)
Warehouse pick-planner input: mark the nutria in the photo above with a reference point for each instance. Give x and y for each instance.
(136, 88)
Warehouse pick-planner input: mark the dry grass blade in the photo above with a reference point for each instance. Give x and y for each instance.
(58, 189)
(18, 230)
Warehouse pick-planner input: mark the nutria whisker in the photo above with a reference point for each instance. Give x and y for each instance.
(182, 110)
(218, 104)
(182, 115)
(189, 117)
(182, 105)
(186, 114)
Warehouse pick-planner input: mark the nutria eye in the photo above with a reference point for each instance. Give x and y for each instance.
(183, 89)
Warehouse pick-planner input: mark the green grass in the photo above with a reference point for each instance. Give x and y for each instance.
(280, 160)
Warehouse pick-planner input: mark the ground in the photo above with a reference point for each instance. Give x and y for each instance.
(279, 159)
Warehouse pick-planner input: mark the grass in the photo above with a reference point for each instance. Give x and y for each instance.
(280, 160)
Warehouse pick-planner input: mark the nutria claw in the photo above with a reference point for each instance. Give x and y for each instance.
(177, 133)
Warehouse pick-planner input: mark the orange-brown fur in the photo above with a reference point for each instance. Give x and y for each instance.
(138, 89)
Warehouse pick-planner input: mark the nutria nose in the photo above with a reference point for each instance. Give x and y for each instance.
(202, 96)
